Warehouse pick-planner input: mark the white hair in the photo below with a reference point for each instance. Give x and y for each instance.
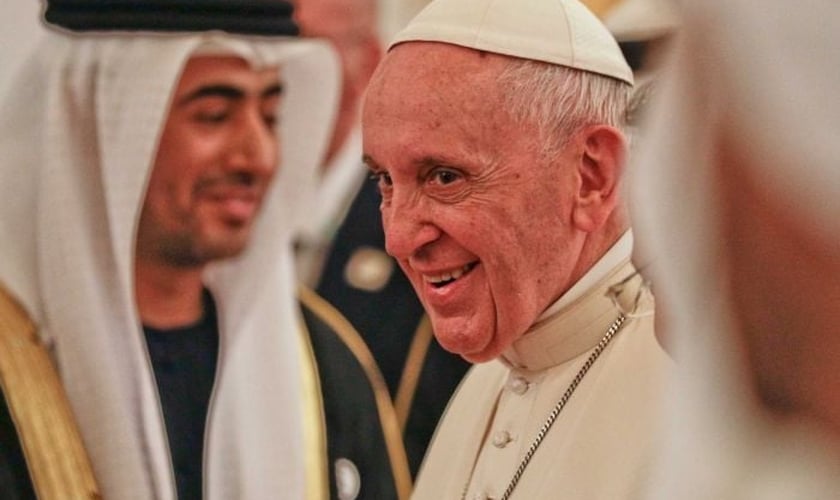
(560, 101)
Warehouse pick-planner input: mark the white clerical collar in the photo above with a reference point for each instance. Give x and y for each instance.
(619, 252)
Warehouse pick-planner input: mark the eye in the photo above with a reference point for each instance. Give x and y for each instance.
(211, 110)
(381, 178)
(211, 117)
(444, 176)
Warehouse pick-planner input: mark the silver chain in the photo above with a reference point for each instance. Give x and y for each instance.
(555, 412)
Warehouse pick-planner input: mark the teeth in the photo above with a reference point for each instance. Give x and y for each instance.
(451, 275)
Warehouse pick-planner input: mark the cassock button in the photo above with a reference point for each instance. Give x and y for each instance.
(348, 481)
(368, 269)
(519, 385)
(501, 439)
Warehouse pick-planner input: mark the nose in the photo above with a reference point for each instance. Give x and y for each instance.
(408, 226)
(255, 146)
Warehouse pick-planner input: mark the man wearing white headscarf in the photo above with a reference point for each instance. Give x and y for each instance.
(736, 196)
(136, 196)
(494, 128)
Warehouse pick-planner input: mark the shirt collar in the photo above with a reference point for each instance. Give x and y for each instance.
(578, 320)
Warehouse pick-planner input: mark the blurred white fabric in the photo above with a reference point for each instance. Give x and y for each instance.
(765, 78)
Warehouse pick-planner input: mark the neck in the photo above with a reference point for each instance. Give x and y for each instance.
(596, 245)
(168, 297)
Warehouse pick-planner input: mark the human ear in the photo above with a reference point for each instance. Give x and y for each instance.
(599, 168)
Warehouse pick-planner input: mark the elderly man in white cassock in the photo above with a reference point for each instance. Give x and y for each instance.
(495, 129)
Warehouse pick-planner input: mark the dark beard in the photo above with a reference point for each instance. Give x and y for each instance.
(183, 251)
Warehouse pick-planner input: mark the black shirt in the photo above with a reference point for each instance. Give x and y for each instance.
(184, 361)
(14, 476)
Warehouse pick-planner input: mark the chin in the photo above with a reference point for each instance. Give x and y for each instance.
(480, 357)
(220, 249)
(228, 240)
(475, 346)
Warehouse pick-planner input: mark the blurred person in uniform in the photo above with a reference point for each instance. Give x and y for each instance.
(149, 228)
(495, 130)
(736, 192)
(350, 26)
(342, 250)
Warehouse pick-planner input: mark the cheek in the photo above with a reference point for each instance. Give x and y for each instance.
(173, 180)
(526, 267)
(161, 178)
(176, 159)
(505, 239)
(385, 221)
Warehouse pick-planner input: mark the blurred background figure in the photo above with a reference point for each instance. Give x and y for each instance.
(642, 29)
(341, 252)
(350, 26)
(736, 199)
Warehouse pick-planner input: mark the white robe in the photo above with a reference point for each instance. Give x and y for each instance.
(78, 137)
(603, 441)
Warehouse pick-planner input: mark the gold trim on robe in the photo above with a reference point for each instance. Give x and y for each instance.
(55, 455)
(411, 371)
(314, 425)
(387, 415)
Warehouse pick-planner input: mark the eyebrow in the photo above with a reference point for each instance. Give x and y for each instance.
(424, 162)
(228, 92)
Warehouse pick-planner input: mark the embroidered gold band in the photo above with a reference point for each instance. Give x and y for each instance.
(56, 458)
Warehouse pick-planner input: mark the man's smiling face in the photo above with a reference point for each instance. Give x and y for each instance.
(217, 155)
(478, 219)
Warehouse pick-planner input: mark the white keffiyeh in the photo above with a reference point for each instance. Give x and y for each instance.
(78, 137)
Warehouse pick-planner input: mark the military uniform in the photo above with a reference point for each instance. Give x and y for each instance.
(365, 455)
(370, 290)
